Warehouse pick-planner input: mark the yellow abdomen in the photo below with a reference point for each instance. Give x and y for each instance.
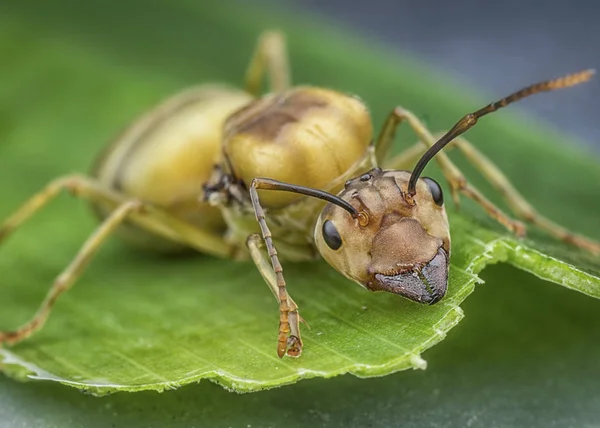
(168, 154)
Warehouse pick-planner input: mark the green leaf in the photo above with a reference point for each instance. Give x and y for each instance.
(135, 321)
(536, 367)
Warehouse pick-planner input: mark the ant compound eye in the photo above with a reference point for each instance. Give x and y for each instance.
(436, 191)
(331, 235)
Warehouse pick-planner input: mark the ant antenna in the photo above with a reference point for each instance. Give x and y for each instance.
(470, 119)
(270, 184)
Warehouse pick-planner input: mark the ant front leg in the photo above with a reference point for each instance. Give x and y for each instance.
(289, 333)
(457, 181)
(270, 54)
(294, 343)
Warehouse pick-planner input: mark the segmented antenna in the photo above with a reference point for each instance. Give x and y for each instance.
(470, 119)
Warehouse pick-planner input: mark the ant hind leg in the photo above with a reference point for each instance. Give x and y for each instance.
(72, 272)
(123, 208)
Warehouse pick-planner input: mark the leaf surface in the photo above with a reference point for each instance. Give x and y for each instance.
(136, 321)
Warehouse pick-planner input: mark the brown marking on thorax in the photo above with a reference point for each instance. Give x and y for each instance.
(266, 117)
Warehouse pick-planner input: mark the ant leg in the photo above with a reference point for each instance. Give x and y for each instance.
(143, 215)
(456, 180)
(385, 139)
(516, 201)
(287, 340)
(407, 158)
(35, 203)
(65, 280)
(154, 219)
(270, 54)
(255, 243)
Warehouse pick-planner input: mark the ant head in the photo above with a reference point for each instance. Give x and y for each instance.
(395, 243)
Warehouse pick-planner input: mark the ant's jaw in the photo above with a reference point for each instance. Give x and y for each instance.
(426, 284)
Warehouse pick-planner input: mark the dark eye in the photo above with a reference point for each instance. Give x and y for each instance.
(436, 191)
(331, 235)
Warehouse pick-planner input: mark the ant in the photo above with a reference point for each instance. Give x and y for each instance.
(188, 175)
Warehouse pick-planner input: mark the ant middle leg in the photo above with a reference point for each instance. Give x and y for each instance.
(521, 208)
(515, 200)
